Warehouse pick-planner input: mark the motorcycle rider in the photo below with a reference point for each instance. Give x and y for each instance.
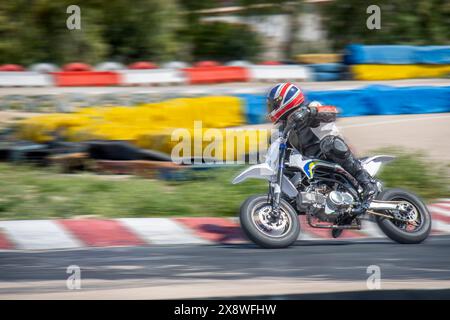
(315, 133)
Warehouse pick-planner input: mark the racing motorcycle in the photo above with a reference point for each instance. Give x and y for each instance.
(328, 195)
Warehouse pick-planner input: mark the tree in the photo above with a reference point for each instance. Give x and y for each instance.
(143, 29)
(420, 22)
(224, 42)
(38, 32)
(115, 29)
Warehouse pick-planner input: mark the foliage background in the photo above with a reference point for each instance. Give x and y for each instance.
(419, 22)
(163, 30)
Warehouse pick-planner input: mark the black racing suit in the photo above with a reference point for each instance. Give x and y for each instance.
(316, 136)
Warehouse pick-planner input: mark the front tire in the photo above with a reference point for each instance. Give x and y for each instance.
(253, 220)
(396, 230)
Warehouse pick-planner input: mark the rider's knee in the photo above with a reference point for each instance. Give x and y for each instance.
(334, 146)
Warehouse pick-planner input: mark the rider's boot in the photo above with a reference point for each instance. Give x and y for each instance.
(368, 185)
(365, 180)
(344, 220)
(336, 233)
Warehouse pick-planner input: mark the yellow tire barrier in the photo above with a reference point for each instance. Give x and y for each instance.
(394, 72)
(221, 144)
(127, 123)
(316, 58)
(152, 126)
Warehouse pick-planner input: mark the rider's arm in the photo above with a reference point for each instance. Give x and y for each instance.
(300, 117)
(312, 115)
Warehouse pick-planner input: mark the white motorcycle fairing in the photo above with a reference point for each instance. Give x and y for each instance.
(267, 171)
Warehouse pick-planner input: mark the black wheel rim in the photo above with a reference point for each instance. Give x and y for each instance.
(260, 217)
(410, 221)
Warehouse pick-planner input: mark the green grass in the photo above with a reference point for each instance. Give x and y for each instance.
(36, 193)
(414, 172)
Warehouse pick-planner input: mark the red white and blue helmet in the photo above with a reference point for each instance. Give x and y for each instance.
(282, 99)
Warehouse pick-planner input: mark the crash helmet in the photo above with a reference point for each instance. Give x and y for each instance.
(282, 99)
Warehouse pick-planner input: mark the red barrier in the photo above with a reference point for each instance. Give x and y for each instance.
(270, 63)
(206, 64)
(216, 74)
(77, 66)
(86, 78)
(142, 65)
(11, 67)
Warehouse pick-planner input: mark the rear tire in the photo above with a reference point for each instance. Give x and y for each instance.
(250, 228)
(394, 232)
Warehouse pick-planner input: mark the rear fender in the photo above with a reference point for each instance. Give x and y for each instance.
(373, 164)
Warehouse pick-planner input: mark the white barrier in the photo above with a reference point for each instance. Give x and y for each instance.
(25, 79)
(279, 72)
(175, 65)
(239, 63)
(109, 66)
(43, 68)
(153, 76)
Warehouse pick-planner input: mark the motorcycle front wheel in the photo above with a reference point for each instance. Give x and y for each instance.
(259, 227)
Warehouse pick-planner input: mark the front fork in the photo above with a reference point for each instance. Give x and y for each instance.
(277, 186)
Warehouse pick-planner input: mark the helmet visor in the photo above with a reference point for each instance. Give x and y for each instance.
(273, 104)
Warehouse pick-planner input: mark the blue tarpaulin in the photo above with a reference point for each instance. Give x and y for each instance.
(370, 100)
(409, 100)
(326, 67)
(254, 108)
(349, 102)
(327, 71)
(327, 76)
(432, 55)
(396, 54)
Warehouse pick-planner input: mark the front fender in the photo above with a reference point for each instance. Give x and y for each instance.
(258, 171)
(265, 172)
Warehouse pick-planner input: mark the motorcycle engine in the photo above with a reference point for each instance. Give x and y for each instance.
(324, 203)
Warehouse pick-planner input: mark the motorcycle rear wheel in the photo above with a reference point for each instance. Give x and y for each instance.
(404, 232)
(258, 228)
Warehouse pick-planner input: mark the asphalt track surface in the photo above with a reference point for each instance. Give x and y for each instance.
(309, 269)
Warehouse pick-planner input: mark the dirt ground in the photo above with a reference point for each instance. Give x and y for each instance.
(11, 116)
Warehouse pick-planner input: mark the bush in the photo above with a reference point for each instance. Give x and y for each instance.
(36, 31)
(414, 172)
(419, 22)
(225, 42)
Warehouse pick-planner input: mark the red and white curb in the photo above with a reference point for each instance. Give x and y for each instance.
(80, 233)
